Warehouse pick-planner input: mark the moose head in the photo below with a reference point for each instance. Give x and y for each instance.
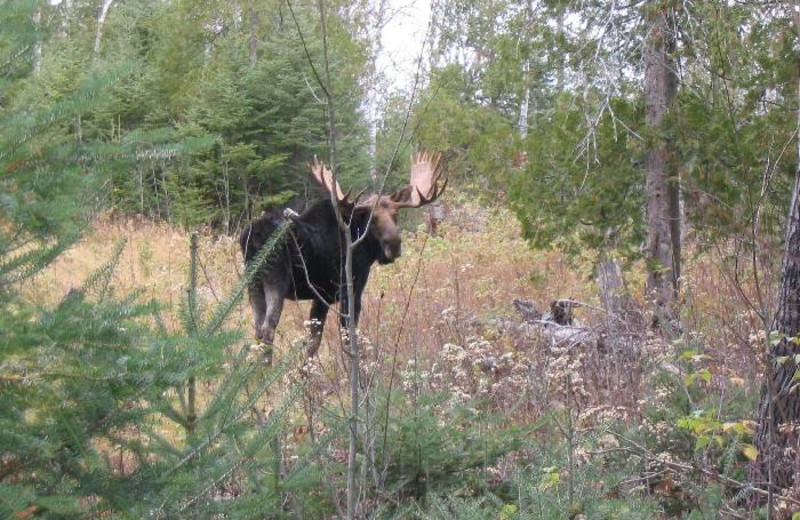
(424, 187)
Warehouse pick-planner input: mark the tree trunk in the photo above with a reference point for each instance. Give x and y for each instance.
(778, 434)
(254, 24)
(352, 332)
(663, 212)
(37, 49)
(526, 97)
(613, 293)
(522, 124)
(101, 19)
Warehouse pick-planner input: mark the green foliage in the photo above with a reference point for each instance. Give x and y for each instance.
(423, 451)
(433, 447)
(575, 174)
(51, 174)
(590, 200)
(173, 79)
(477, 139)
(101, 413)
(101, 410)
(196, 75)
(69, 379)
(539, 489)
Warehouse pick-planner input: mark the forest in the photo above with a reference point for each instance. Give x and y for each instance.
(583, 294)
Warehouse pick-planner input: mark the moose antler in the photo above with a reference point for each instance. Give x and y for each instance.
(324, 178)
(427, 168)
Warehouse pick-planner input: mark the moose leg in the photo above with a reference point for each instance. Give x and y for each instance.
(358, 290)
(273, 297)
(344, 308)
(258, 304)
(319, 311)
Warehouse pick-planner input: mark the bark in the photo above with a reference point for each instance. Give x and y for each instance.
(675, 226)
(372, 148)
(526, 73)
(101, 19)
(623, 321)
(613, 293)
(559, 35)
(778, 433)
(37, 50)
(254, 23)
(663, 211)
(526, 97)
(352, 333)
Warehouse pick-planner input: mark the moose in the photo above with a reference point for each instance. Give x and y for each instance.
(309, 265)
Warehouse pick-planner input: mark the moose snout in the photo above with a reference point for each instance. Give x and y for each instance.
(391, 249)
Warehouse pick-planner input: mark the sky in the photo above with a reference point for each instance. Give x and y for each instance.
(402, 41)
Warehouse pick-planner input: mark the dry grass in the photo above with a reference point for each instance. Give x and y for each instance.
(155, 260)
(446, 293)
(470, 271)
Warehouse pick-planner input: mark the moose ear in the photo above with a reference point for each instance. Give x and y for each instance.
(403, 195)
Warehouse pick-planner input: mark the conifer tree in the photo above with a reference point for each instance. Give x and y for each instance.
(91, 379)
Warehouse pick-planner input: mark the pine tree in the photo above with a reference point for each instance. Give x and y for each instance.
(92, 380)
(196, 76)
(64, 381)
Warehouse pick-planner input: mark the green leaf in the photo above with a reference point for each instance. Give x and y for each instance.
(508, 511)
(549, 479)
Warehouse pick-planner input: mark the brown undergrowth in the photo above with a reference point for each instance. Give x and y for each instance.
(441, 321)
(449, 289)
(446, 302)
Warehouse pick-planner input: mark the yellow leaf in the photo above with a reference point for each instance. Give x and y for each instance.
(728, 426)
(739, 427)
(750, 451)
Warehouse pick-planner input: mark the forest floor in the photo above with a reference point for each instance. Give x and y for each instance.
(441, 320)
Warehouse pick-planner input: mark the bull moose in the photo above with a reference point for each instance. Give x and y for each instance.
(310, 263)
